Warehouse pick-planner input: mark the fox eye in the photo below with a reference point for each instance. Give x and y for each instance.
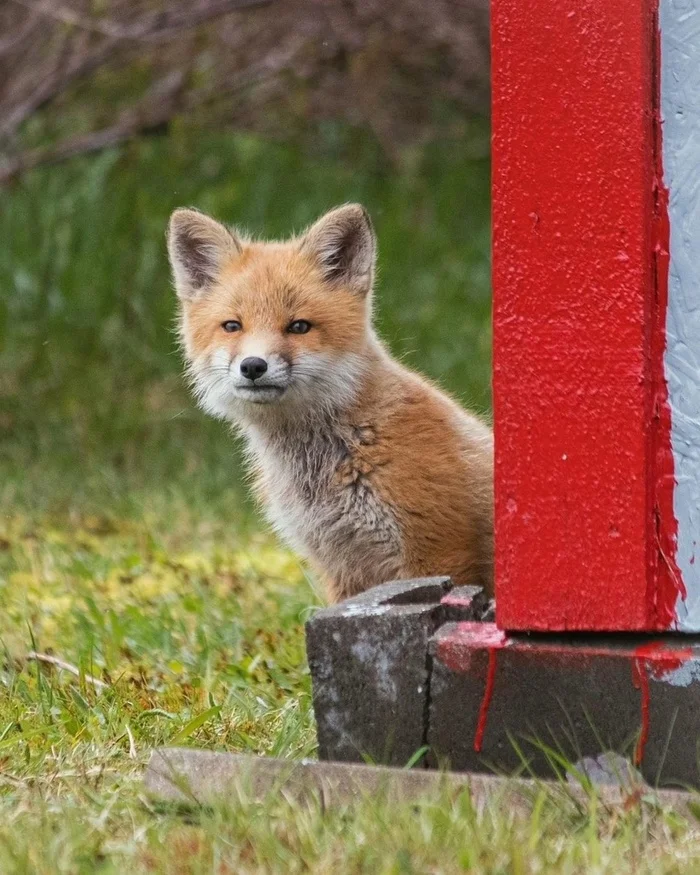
(231, 325)
(299, 326)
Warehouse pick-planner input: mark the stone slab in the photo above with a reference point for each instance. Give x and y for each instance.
(197, 777)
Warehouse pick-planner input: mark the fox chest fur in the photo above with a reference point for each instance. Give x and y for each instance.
(402, 489)
(319, 490)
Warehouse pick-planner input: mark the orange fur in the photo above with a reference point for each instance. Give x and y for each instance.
(368, 469)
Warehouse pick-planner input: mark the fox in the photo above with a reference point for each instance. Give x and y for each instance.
(367, 470)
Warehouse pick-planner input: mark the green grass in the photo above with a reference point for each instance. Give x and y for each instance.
(128, 548)
(90, 381)
(197, 630)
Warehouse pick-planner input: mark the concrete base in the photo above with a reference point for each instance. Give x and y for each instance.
(370, 666)
(413, 666)
(190, 777)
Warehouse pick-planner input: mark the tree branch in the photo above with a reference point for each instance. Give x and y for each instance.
(67, 666)
(15, 39)
(156, 111)
(151, 29)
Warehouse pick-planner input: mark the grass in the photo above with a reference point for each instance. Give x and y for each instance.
(128, 548)
(198, 633)
(90, 380)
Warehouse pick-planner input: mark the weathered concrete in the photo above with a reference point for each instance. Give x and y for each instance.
(197, 777)
(518, 703)
(465, 602)
(204, 777)
(413, 665)
(370, 667)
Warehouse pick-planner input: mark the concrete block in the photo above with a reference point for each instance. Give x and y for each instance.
(370, 668)
(518, 703)
(201, 777)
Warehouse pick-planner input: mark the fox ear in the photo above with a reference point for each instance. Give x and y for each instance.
(197, 246)
(343, 244)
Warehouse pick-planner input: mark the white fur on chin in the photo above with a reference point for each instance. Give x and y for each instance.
(315, 383)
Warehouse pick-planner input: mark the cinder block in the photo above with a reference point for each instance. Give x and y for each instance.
(513, 703)
(370, 668)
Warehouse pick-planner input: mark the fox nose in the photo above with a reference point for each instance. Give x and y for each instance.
(252, 368)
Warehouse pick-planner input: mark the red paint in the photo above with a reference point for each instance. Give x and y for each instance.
(455, 649)
(582, 473)
(665, 581)
(457, 645)
(662, 659)
(641, 681)
(457, 601)
(486, 701)
(461, 647)
(659, 660)
(458, 642)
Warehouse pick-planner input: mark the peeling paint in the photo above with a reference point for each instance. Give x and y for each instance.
(679, 21)
(683, 676)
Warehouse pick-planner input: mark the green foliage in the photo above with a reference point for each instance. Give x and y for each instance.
(180, 630)
(195, 631)
(91, 383)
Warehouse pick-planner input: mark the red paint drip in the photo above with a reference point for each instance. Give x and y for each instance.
(665, 580)
(640, 679)
(456, 649)
(486, 701)
(655, 659)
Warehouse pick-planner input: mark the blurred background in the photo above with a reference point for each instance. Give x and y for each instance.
(263, 113)
(129, 549)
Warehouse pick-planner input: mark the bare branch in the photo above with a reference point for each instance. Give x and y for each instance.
(16, 39)
(380, 63)
(54, 85)
(157, 111)
(66, 666)
(154, 27)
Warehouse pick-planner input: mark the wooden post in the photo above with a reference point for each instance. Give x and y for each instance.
(591, 530)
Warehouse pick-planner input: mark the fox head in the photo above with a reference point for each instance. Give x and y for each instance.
(279, 326)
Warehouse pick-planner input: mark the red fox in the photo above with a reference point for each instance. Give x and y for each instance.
(368, 470)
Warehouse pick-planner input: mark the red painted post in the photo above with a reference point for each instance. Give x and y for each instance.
(585, 534)
(597, 408)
